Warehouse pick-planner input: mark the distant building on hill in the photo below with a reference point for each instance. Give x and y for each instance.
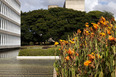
(52, 6)
(75, 4)
(9, 24)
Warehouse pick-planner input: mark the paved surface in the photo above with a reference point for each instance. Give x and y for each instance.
(10, 67)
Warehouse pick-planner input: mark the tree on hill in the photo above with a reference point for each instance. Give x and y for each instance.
(57, 23)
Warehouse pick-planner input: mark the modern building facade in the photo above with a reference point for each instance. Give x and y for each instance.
(9, 23)
(75, 4)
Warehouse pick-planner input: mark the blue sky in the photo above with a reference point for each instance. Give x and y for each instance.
(90, 5)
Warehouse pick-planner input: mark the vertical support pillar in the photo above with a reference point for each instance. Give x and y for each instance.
(1, 39)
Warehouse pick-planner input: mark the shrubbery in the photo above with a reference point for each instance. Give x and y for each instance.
(39, 51)
(91, 53)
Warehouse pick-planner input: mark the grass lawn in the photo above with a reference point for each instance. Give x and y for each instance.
(44, 50)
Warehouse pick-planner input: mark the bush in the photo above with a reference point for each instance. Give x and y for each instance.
(36, 43)
(24, 43)
(38, 51)
(31, 43)
(91, 53)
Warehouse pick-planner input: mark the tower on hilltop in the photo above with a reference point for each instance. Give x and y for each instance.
(75, 4)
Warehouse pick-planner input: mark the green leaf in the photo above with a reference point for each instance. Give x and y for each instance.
(101, 74)
(113, 74)
(77, 75)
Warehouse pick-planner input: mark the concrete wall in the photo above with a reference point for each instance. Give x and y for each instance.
(52, 6)
(10, 24)
(75, 4)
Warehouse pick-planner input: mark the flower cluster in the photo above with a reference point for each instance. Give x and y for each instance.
(91, 56)
(89, 52)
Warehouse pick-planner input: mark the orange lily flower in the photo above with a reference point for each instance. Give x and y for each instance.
(86, 63)
(67, 58)
(95, 26)
(79, 31)
(111, 38)
(91, 56)
(70, 51)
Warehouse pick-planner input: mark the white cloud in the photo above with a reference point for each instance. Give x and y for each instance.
(101, 5)
(56, 2)
(110, 7)
(90, 4)
(29, 5)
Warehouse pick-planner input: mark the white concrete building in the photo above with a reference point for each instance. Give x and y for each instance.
(52, 6)
(75, 4)
(9, 23)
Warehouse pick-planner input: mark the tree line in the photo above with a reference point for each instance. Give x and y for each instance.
(57, 23)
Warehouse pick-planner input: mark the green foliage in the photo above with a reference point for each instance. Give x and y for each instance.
(108, 15)
(55, 22)
(31, 43)
(93, 16)
(38, 51)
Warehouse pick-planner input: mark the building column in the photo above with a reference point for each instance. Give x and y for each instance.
(0, 39)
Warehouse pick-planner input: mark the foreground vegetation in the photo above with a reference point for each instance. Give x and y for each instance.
(39, 51)
(91, 53)
(40, 25)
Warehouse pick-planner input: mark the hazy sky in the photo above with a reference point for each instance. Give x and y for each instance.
(102, 5)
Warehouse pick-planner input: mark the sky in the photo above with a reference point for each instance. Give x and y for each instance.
(90, 5)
